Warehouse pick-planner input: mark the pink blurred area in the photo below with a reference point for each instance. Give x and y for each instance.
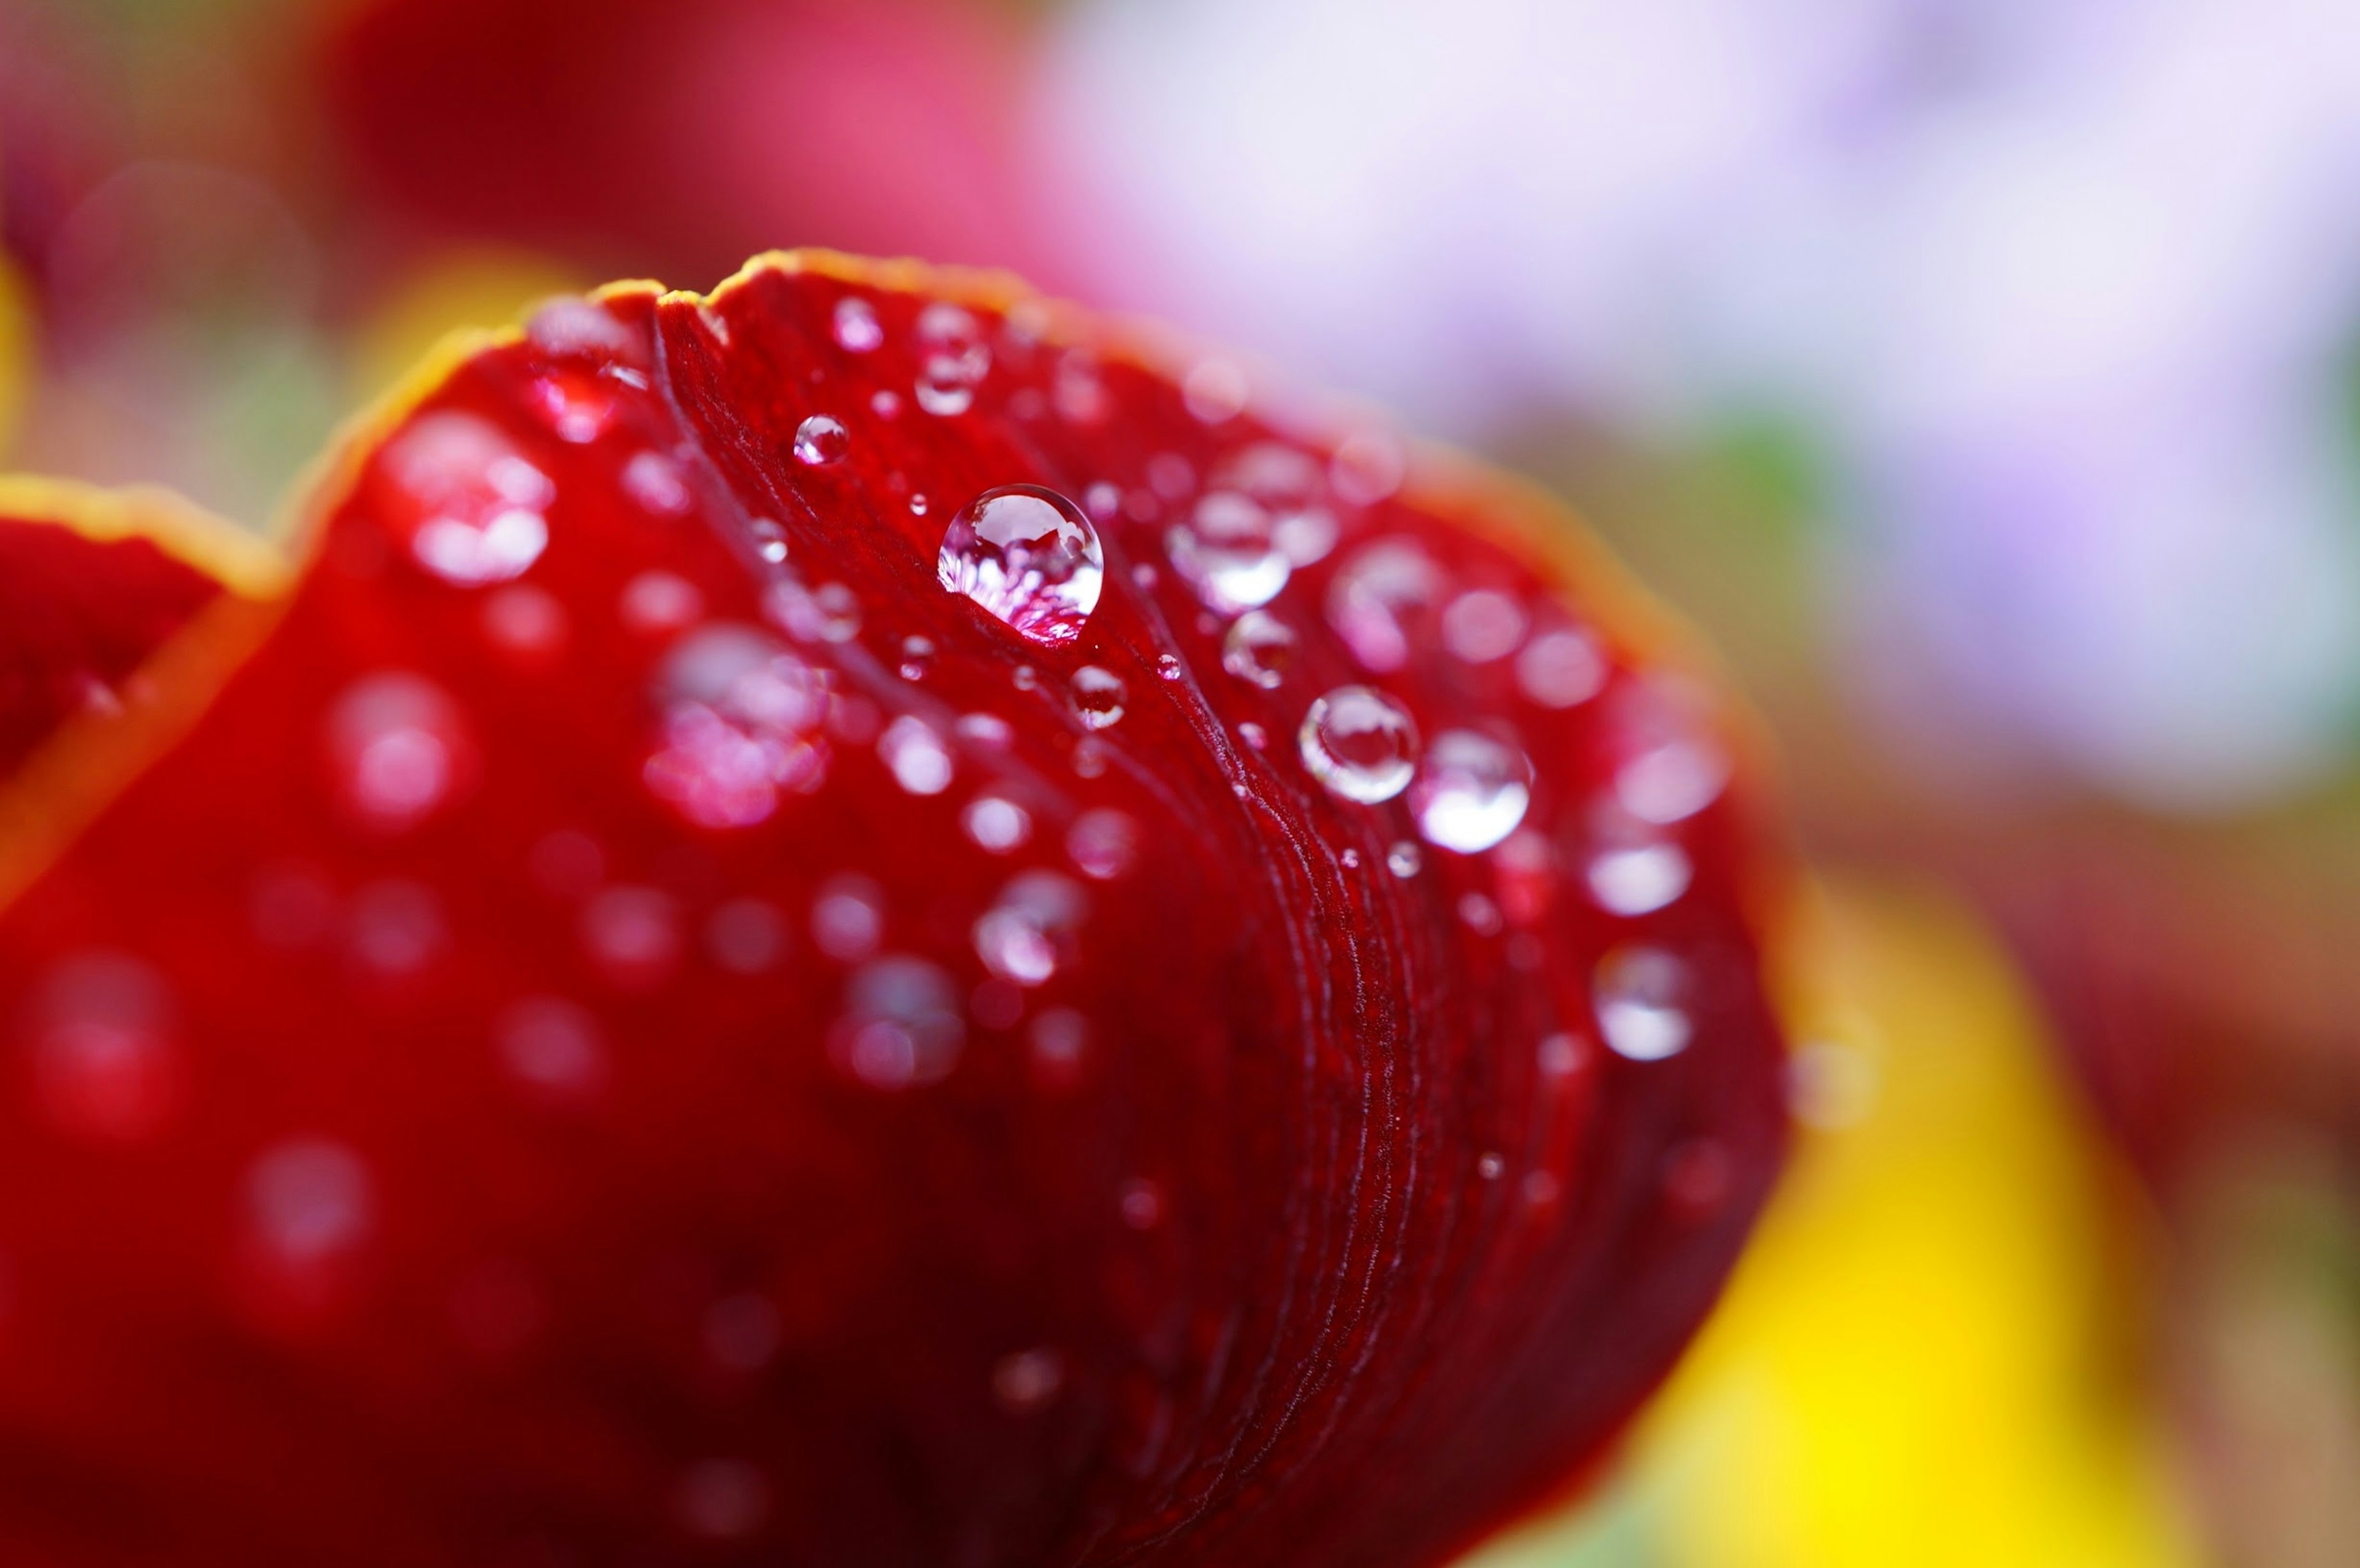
(1981, 376)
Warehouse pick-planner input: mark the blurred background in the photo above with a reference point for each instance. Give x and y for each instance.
(1984, 374)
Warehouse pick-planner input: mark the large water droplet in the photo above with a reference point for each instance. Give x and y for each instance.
(1360, 744)
(916, 756)
(1260, 647)
(1471, 791)
(821, 439)
(1227, 552)
(1639, 994)
(1030, 557)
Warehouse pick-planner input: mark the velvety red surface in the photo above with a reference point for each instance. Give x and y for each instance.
(547, 1070)
(77, 617)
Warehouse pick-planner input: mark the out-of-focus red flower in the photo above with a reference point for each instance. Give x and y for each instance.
(688, 136)
(855, 918)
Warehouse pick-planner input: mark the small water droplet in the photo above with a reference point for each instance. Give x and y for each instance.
(1483, 625)
(1672, 780)
(1350, 859)
(858, 329)
(1017, 938)
(1376, 598)
(770, 540)
(309, 1203)
(1099, 696)
(917, 505)
(1479, 914)
(1060, 1038)
(1360, 744)
(885, 403)
(995, 823)
(1638, 992)
(1226, 553)
(821, 439)
(1260, 647)
(1089, 758)
(1214, 391)
(1561, 1055)
(1471, 791)
(656, 483)
(632, 933)
(1141, 1203)
(1029, 1381)
(1025, 678)
(1638, 879)
(1490, 1166)
(551, 1046)
(1102, 501)
(104, 1060)
(900, 1028)
(658, 601)
(1103, 842)
(474, 505)
(954, 359)
(1029, 557)
(1561, 668)
(1403, 859)
(987, 730)
(849, 918)
(1256, 737)
(1142, 577)
(739, 727)
(399, 745)
(1167, 666)
(919, 761)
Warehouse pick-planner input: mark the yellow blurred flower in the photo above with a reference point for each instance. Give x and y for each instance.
(457, 288)
(1930, 1356)
(17, 365)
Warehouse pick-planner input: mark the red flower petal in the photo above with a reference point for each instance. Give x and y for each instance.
(639, 1018)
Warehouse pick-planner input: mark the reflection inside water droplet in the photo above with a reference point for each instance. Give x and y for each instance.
(1029, 557)
(1471, 791)
(1360, 744)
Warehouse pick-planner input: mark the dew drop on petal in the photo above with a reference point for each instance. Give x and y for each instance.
(472, 503)
(900, 1028)
(954, 358)
(654, 480)
(1167, 666)
(1029, 1381)
(1672, 780)
(551, 1046)
(659, 602)
(1017, 938)
(820, 440)
(858, 329)
(397, 928)
(309, 1204)
(1471, 791)
(1227, 552)
(1482, 625)
(1259, 648)
(770, 540)
(1561, 668)
(1638, 879)
(996, 824)
(1103, 844)
(106, 1064)
(1099, 696)
(633, 934)
(915, 754)
(1376, 598)
(1403, 859)
(397, 744)
(1360, 744)
(1638, 992)
(1029, 557)
(849, 918)
(746, 936)
(740, 716)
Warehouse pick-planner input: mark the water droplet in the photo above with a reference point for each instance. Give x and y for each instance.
(397, 928)
(1367, 466)
(1638, 879)
(309, 1204)
(1403, 859)
(399, 745)
(1167, 666)
(1360, 744)
(821, 439)
(916, 756)
(1079, 393)
(1029, 1381)
(1142, 576)
(915, 651)
(721, 1499)
(1025, 678)
(901, 1027)
(1304, 536)
(829, 612)
(1672, 780)
(1099, 696)
(885, 403)
(1350, 859)
(1638, 992)
(656, 483)
(525, 621)
(1017, 938)
(632, 934)
(1483, 625)
(659, 602)
(1214, 391)
(475, 504)
(551, 1046)
(1256, 737)
(1172, 477)
(1103, 842)
(1029, 557)
(740, 726)
(1561, 668)
(1141, 1203)
(1226, 553)
(987, 730)
(917, 505)
(858, 329)
(105, 1062)
(1060, 1039)
(576, 404)
(1102, 501)
(1490, 1166)
(1260, 647)
(770, 540)
(1479, 914)
(849, 918)
(571, 327)
(747, 936)
(1376, 596)
(1471, 791)
(954, 359)
(996, 823)
(1089, 758)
